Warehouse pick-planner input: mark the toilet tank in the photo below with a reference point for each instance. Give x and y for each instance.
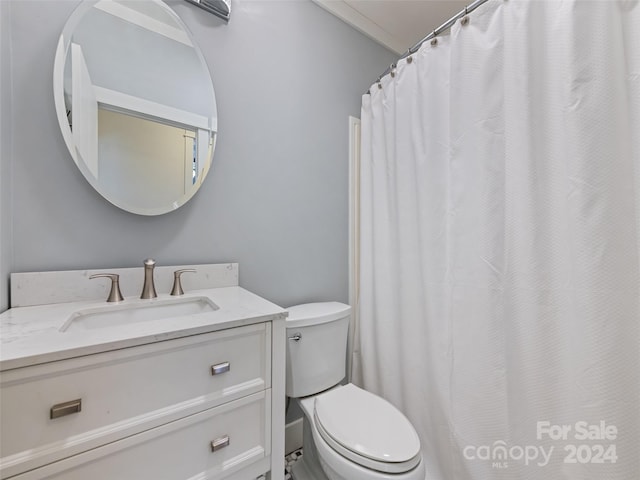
(316, 347)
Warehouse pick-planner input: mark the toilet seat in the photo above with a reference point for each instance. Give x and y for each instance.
(367, 430)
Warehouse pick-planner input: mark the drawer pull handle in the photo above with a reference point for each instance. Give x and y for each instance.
(220, 443)
(220, 368)
(66, 408)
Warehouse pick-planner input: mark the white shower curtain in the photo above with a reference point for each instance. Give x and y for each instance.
(500, 243)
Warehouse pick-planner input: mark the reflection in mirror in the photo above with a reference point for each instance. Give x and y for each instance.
(135, 103)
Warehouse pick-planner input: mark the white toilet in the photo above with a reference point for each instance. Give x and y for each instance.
(349, 433)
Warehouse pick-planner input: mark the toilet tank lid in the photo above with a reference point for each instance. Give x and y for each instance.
(316, 313)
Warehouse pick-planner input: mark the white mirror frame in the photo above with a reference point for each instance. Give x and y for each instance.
(204, 128)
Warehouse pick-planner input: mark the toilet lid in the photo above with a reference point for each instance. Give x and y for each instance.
(369, 427)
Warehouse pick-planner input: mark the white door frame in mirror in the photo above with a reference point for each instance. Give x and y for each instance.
(132, 162)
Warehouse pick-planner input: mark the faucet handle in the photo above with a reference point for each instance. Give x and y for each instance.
(177, 284)
(114, 294)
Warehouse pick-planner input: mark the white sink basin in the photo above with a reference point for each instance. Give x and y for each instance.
(134, 311)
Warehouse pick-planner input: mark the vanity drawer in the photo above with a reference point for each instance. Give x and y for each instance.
(179, 450)
(125, 392)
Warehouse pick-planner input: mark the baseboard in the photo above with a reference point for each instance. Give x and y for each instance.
(293, 436)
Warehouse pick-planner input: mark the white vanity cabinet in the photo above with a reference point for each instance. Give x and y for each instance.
(204, 402)
(222, 378)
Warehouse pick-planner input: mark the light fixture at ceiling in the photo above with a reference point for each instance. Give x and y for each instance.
(220, 8)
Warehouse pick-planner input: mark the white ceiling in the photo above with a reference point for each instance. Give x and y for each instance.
(396, 24)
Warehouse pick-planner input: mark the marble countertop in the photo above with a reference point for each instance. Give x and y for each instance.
(32, 335)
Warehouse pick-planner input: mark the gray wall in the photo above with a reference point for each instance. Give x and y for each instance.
(286, 73)
(5, 153)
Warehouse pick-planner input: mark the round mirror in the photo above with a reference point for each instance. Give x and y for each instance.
(135, 103)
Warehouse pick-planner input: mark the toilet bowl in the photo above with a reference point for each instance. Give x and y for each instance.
(349, 433)
(373, 441)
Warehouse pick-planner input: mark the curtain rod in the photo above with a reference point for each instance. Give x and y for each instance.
(442, 28)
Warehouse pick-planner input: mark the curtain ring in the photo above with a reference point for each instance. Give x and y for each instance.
(392, 69)
(434, 40)
(465, 18)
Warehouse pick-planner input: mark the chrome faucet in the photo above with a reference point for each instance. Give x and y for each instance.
(149, 289)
